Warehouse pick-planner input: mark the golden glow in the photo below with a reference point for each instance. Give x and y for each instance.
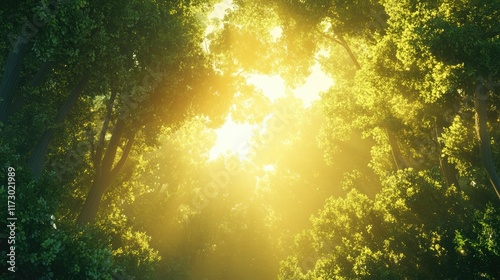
(273, 87)
(220, 9)
(276, 33)
(316, 83)
(219, 12)
(233, 138)
(269, 167)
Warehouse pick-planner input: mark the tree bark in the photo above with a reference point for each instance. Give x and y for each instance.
(481, 117)
(37, 80)
(42, 73)
(93, 200)
(105, 174)
(349, 51)
(37, 159)
(13, 67)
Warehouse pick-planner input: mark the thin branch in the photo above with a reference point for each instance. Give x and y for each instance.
(65, 109)
(349, 51)
(322, 64)
(399, 160)
(124, 157)
(104, 129)
(328, 37)
(110, 154)
(43, 71)
(341, 41)
(37, 159)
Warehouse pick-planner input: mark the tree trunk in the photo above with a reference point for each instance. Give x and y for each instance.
(93, 200)
(349, 51)
(42, 73)
(13, 67)
(106, 173)
(399, 160)
(37, 159)
(481, 116)
(448, 171)
(37, 80)
(341, 41)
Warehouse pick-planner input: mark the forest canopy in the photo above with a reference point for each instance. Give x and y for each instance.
(241, 139)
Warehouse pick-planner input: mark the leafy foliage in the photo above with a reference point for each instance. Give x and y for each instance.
(109, 111)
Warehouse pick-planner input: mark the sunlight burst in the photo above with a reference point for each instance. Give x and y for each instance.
(232, 137)
(276, 33)
(220, 9)
(273, 87)
(269, 167)
(316, 83)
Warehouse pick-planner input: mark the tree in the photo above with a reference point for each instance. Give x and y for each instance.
(86, 98)
(107, 111)
(463, 58)
(413, 228)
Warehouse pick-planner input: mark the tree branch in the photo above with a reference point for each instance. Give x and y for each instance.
(480, 97)
(328, 37)
(13, 67)
(105, 125)
(77, 91)
(349, 51)
(126, 151)
(110, 154)
(399, 160)
(42, 73)
(36, 161)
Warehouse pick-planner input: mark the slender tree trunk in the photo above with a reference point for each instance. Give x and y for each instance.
(97, 156)
(106, 173)
(93, 200)
(349, 51)
(10, 79)
(341, 41)
(42, 73)
(481, 116)
(448, 171)
(399, 160)
(37, 159)
(37, 80)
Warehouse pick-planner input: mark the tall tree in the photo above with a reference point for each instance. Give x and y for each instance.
(176, 80)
